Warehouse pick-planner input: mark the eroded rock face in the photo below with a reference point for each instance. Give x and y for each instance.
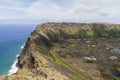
(36, 58)
(45, 35)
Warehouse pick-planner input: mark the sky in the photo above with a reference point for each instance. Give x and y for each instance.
(60, 10)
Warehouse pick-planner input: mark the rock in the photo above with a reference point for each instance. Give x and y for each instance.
(37, 51)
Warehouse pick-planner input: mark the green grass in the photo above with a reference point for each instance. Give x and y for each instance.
(90, 33)
(82, 33)
(45, 49)
(55, 59)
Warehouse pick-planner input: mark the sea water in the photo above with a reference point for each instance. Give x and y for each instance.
(12, 40)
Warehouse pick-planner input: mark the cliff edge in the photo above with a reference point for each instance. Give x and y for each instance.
(39, 60)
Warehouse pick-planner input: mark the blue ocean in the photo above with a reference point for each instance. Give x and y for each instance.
(12, 40)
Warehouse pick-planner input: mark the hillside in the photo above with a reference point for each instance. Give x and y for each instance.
(70, 51)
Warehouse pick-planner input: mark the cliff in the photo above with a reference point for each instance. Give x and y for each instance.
(39, 59)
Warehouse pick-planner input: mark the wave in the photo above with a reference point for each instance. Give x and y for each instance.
(14, 68)
(22, 46)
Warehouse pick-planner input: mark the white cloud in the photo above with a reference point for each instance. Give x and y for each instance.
(6, 1)
(78, 9)
(2, 18)
(67, 9)
(46, 9)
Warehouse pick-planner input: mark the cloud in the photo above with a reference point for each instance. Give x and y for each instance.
(2, 18)
(74, 9)
(51, 10)
(6, 1)
(94, 10)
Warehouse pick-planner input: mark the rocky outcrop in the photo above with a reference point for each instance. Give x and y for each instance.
(48, 33)
(36, 58)
(45, 35)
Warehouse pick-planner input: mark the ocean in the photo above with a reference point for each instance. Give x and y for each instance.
(12, 40)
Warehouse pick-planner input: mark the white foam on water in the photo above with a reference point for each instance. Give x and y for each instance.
(22, 46)
(14, 68)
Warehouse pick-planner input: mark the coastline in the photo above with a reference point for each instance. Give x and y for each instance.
(14, 68)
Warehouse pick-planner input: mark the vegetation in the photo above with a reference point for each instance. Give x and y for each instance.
(57, 60)
(82, 33)
(79, 33)
(115, 33)
(78, 51)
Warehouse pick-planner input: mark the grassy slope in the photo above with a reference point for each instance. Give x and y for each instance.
(73, 32)
(57, 60)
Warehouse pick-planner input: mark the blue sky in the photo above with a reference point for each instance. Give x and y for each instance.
(64, 10)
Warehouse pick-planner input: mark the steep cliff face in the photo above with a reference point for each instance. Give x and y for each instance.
(38, 59)
(37, 53)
